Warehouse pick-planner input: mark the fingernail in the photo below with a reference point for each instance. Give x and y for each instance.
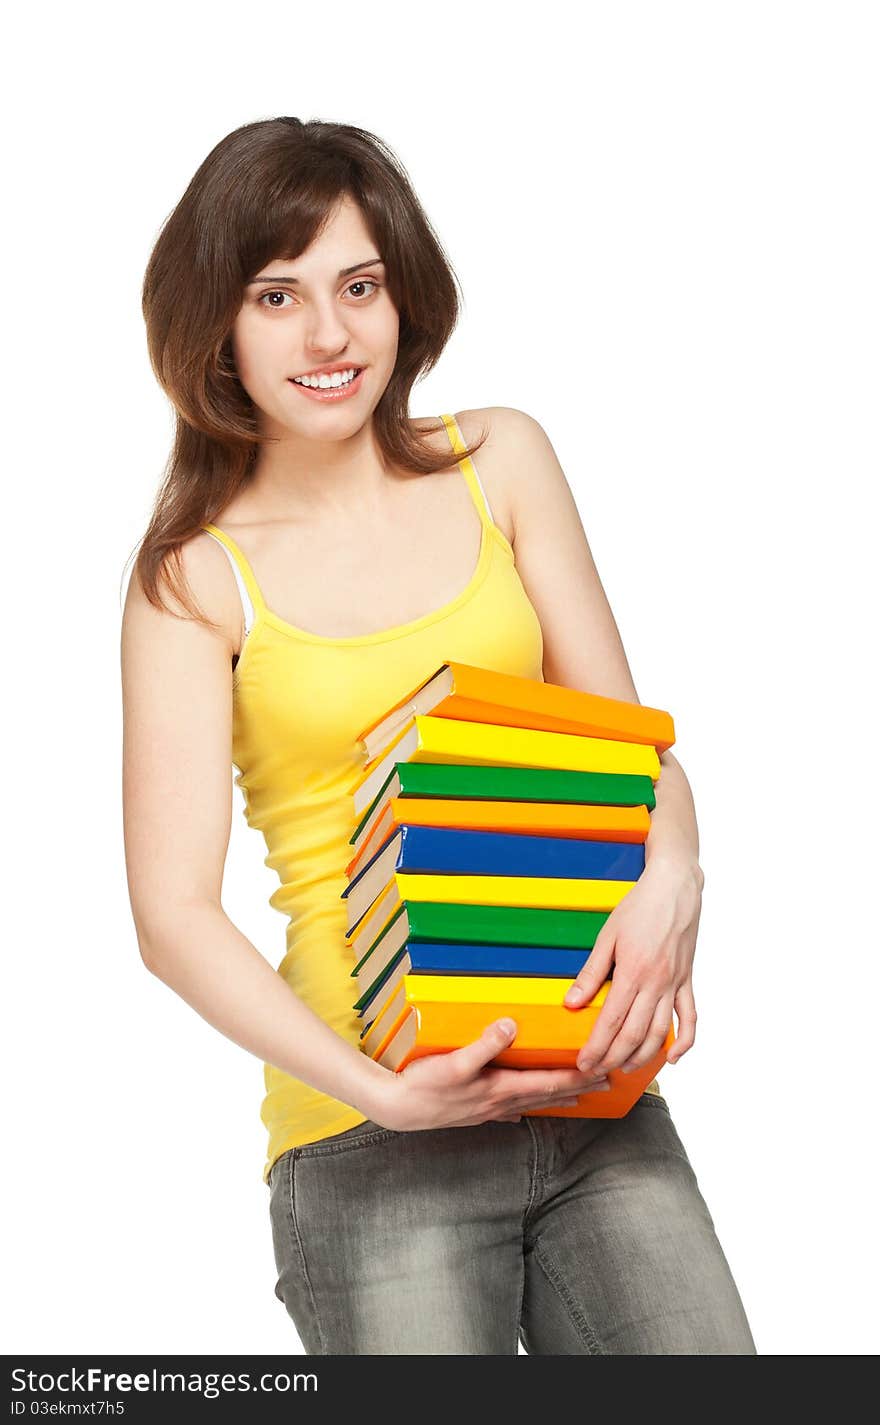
(575, 995)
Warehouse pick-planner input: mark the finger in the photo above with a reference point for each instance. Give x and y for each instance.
(608, 1022)
(655, 1037)
(546, 1101)
(630, 1035)
(543, 1083)
(470, 1058)
(686, 1011)
(591, 976)
(534, 1106)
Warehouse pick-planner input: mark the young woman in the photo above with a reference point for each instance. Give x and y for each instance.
(314, 554)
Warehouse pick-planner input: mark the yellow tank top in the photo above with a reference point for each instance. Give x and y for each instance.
(299, 702)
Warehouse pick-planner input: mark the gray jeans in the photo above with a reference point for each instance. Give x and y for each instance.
(576, 1236)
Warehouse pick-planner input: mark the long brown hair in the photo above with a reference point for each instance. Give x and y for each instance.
(264, 192)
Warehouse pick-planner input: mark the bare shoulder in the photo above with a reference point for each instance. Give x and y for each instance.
(515, 451)
(177, 703)
(205, 569)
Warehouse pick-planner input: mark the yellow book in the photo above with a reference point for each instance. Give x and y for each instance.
(553, 892)
(512, 990)
(444, 739)
(403, 988)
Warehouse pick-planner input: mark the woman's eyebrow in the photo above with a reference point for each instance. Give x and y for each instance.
(343, 272)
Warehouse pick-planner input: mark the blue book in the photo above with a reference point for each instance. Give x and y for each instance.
(439, 850)
(437, 958)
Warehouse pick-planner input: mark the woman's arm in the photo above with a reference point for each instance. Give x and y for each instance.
(650, 937)
(177, 795)
(177, 807)
(673, 839)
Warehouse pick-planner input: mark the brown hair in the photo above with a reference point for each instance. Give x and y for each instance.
(264, 192)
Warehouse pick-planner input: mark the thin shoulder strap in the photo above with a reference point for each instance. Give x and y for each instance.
(468, 469)
(249, 589)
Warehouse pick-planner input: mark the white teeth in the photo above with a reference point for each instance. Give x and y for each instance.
(339, 378)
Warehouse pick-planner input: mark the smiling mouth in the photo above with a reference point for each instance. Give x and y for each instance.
(327, 380)
(329, 390)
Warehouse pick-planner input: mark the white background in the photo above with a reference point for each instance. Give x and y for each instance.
(665, 221)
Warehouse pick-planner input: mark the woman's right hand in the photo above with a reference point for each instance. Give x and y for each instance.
(460, 1087)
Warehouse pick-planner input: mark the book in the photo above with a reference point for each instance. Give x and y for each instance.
(469, 693)
(467, 782)
(499, 821)
(375, 1029)
(416, 921)
(437, 739)
(380, 971)
(447, 850)
(434, 1014)
(557, 892)
(587, 822)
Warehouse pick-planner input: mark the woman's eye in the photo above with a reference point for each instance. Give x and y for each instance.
(364, 282)
(275, 306)
(278, 306)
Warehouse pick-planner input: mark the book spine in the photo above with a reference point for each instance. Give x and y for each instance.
(444, 739)
(440, 850)
(504, 924)
(535, 784)
(476, 959)
(556, 892)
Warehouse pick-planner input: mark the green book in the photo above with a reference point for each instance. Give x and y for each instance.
(491, 925)
(511, 784)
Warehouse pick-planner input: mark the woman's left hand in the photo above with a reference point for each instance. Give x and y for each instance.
(650, 937)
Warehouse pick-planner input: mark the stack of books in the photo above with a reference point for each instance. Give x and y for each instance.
(499, 822)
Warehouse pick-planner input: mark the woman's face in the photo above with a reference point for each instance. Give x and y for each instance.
(338, 312)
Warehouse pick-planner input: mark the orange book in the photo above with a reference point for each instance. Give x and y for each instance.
(434, 1018)
(472, 694)
(576, 819)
